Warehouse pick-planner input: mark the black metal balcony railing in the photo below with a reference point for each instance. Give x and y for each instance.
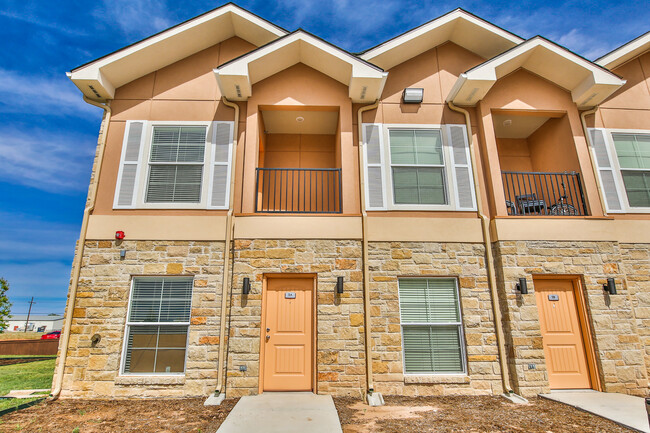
(298, 190)
(538, 193)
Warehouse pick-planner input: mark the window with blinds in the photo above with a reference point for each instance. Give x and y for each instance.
(633, 153)
(417, 166)
(157, 325)
(176, 164)
(432, 333)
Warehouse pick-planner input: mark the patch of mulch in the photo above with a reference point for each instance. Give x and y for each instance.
(105, 416)
(12, 361)
(467, 414)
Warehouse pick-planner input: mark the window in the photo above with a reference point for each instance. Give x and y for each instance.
(431, 326)
(157, 325)
(633, 153)
(417, 166)
(176, 164)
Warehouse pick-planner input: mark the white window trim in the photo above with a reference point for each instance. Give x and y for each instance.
(463, 346)
(618, 175)
(127, 324)
(450, 186)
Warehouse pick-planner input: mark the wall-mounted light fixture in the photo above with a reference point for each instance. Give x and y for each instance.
(413, 95)
(339, 284)
(246, 289)
(522, 287)
(610, 287)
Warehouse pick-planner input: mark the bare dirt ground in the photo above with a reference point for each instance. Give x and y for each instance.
(467, 414)
(107, 416)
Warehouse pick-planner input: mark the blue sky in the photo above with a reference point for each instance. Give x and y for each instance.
(48, 134)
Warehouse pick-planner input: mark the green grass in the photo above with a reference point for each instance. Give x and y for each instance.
(28, 356)
(31, 375)
(8, 403)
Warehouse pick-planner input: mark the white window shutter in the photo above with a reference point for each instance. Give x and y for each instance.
(603, 158)
(222, 141)
(130, 161)
(374, 166)
(461, 166)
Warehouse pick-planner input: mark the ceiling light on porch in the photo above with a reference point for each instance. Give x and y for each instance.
(300, 119)
(507, 122)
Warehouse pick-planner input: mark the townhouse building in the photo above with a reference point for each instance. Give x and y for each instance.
(454, 211)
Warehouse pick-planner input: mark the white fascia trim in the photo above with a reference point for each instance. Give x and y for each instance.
(437, 23)
(625, 52)
(92, 71)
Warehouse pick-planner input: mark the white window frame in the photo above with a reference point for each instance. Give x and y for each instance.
(618, 172)
(128, 324)
(461, 327)
(450, 186)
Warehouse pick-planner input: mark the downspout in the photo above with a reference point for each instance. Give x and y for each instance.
(583, 120)
(489, 259)
(76, 266)
(230, 224)
(364, 242)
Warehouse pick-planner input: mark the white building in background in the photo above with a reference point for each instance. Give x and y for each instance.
(37, 323)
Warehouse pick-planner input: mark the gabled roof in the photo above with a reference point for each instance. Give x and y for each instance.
(458, 26)
(236, 77)
(626, 52)
(99, 78)
(588, 82)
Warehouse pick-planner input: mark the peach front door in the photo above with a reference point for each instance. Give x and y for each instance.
(563, 342)
(287, 334)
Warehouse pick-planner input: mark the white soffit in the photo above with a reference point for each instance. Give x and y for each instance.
(236, 78)
(588, 83)
(99, 78)
(626, 52)
(460, 27)
(300, 122)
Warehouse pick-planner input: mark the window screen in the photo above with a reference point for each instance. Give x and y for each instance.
(417, 166)
(633, 152)
(159, 317)
(176, 164)
(431, 326)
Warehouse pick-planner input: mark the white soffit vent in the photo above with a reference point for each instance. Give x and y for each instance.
(589, 83)
(169, 46)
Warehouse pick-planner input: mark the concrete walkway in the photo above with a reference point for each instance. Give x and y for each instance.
(285, 412)
(626, 410)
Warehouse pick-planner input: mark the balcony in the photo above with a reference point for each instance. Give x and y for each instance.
(298, 190)
(538, 193)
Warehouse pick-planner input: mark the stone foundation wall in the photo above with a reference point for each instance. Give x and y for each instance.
(619, 351)
(340, 341)
(636, 265)
(101, 308)
(390, 260)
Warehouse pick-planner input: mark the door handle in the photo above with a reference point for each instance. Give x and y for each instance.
(268, 337)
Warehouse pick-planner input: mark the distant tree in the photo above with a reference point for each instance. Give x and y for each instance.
(5, 305)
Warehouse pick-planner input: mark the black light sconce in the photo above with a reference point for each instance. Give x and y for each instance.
(522, 287)
(610, 287)
(247, 286)
(339, 284)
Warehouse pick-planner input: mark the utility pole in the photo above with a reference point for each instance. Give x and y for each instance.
(29, 312)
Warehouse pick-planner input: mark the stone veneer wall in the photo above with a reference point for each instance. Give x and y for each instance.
(636, 264)
(101, 307)
(618, 348)
(390, 260)
(340, 342)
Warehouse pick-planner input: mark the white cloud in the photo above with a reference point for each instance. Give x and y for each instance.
(34, 20)
(35, 94)
(45, 159)
(585, 45)
(140, 18)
